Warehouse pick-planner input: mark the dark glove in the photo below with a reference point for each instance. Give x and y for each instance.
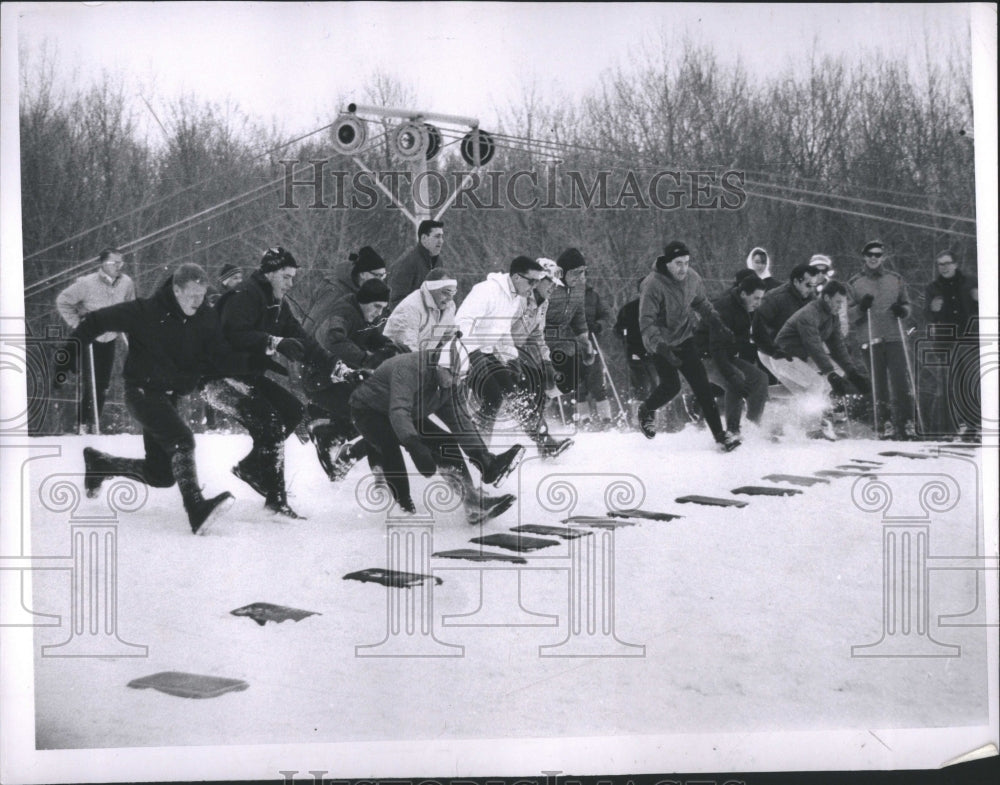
(838, 383)
(422, 457)
(866, 302)
(668, 354)
(898, 310)
(777, 354)
(861, 383)
(597, 329)
(291, 348)
(358, 375)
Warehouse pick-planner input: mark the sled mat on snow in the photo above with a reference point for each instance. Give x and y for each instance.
(515, 542)
(842, 473)
(901, 454)
(597, 521)
(553, 531)
(710, 501)
(855, 467)
(646, 515)
(765, 490)
(402, 580)
(188, 685)
(263, 612)
(867, 463)
(471, 554)
(795, 479)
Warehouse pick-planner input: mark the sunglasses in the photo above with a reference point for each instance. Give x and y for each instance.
(532, 281)
(878, 255)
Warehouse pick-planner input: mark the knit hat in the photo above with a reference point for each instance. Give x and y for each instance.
(373, 290)
(821, 263)
(438, 279)
(276, 258)
(366, 260)
(872, 244)
(228, 271)
(571, 259)
(742, 275)
(552, 270)
(673, 250)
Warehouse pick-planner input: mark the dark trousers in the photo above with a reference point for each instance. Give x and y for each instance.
(164, 432)
(104, 361)
(385, 449)
(755, 394)
(694, 372)
(332, 402)
(891, 382)
(641, 376)
(592, 384)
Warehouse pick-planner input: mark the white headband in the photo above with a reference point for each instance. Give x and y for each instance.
(441, 283)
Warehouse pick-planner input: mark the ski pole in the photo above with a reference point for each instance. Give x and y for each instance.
(871, 363)
(92, 378)
(562, 414)
(909, 374)
(607, 375)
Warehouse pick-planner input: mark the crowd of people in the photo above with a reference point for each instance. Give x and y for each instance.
(385, 360)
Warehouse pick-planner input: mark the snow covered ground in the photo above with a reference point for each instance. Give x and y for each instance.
(725, 620)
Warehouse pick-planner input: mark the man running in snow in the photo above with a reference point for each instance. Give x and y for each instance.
(175, 342)
(811, 341)
(391, 409)
(726, 361)
(671, 298)
(759, 261)
(641, 371)
(256, 318)
(592, 392)
(409, 271)
(566, 329)
(485, 320)
(348, 277)
(775, 309)
(879, 303)
(352, 335)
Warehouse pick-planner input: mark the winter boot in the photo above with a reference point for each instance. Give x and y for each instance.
(272, 458)
(888, 432)
(498, 467)
(347, 455)
(322, 435)
(202, 513)
(249, 470)
(99, 466)
(552, 448)
(647, 421)
(910, 431)
(728, 441)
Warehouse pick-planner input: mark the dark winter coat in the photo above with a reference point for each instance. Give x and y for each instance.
(251, 315)
(166, 349)
(566, 319)
(333, 289)
(810, 331)
(774, 310)
(668, 307)
(347, 336)
(595, 311)
(730, 308)
(888, 288)
(960, 302)
(627, 328)
(408, 272)
(405, 389)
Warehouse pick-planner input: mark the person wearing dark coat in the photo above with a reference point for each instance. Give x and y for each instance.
(392, 408)
(256, 318)
(365, 265)
(352, 334)
(775, 309)
(672, 298)
(641, 371)
(409, 271)
(591, 385)
(727, 361)
(175, 343)
(951, 307)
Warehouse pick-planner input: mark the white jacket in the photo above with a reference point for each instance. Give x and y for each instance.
(486, 315)
(91, 293)
(417, 323)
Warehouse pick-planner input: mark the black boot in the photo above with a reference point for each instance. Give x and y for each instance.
(272, 460)
(99, 466)
(500, 466)
(202, 513)
(323, 436)
(249, 470)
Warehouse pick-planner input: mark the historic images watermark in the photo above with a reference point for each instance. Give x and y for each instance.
(318, 777)
(520, 189)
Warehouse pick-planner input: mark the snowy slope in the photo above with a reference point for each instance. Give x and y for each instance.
(748, 616)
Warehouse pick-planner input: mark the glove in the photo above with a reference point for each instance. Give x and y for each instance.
(937, 304)
(358, 375)
(866, 302)
(291, 348)
(837, 383)
(861, 383)
(777, 354)
(668, 354)
(898, 310)
(422, 457)
(597, 329)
